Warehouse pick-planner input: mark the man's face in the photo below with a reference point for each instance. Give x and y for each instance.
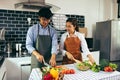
(44, 21)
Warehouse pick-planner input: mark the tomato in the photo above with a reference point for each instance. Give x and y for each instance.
(63, 72)
(67, 71)
(72, 71)
(57, 66)
(108, 69)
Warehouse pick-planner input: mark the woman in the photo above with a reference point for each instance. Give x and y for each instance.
(72, 42)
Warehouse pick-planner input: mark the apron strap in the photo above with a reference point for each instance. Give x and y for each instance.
(49, 30)
(38, 30)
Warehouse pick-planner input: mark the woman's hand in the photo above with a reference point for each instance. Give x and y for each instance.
(91, 58)
(70, 56)
(52, 61)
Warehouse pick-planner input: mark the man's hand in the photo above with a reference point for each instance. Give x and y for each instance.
(39, 57)
(70, 56)
(52, 61)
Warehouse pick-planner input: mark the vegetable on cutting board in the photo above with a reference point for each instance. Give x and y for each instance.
(110, 68)
(56, 73)
(68, 71)
(83, 66)
(48, 76)
(104, 65)
(95, 67)
(107, 66)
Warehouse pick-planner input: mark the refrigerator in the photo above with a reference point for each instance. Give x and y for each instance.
(107, 40)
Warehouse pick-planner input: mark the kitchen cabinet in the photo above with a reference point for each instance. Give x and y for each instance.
(3, 72)
(17, 68)
(25, 71)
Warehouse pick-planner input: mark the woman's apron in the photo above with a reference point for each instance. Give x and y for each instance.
(72, 45)
(43, 45)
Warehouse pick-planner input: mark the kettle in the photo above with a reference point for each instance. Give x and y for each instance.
(2, 34)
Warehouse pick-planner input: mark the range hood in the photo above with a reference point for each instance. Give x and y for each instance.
(35, 4)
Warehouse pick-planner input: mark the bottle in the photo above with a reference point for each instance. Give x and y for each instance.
(20, 52)
(9, 49)
(17, 46)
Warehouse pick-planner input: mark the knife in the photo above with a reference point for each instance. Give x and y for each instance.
(46, 64)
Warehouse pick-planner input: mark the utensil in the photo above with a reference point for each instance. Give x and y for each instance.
(77, 61)
(46, 64)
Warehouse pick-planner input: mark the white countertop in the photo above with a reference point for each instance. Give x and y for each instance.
(80, 75)
(20, 60)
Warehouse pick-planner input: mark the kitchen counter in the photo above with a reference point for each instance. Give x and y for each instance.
(18, 68)
(21, 65)
(36, 74)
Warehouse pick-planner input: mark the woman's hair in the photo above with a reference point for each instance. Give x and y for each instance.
(74, 23)
(45, 12)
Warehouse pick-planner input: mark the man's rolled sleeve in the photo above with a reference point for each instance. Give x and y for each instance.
(29, 41)
(54, 43)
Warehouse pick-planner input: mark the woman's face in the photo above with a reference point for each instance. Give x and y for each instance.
(43, 21)
(69, 27)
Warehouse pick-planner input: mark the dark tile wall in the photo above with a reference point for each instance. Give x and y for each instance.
(16, 25)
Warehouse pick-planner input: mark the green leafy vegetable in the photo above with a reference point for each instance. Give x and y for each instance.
(104, 63)
(95, 68)
(113, 66)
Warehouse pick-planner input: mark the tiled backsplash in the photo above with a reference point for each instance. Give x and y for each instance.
(16, 25)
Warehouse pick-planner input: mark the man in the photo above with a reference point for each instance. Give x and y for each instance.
(41, 40)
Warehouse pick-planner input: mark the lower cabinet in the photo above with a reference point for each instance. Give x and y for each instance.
(25, 72)
(17, 68)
